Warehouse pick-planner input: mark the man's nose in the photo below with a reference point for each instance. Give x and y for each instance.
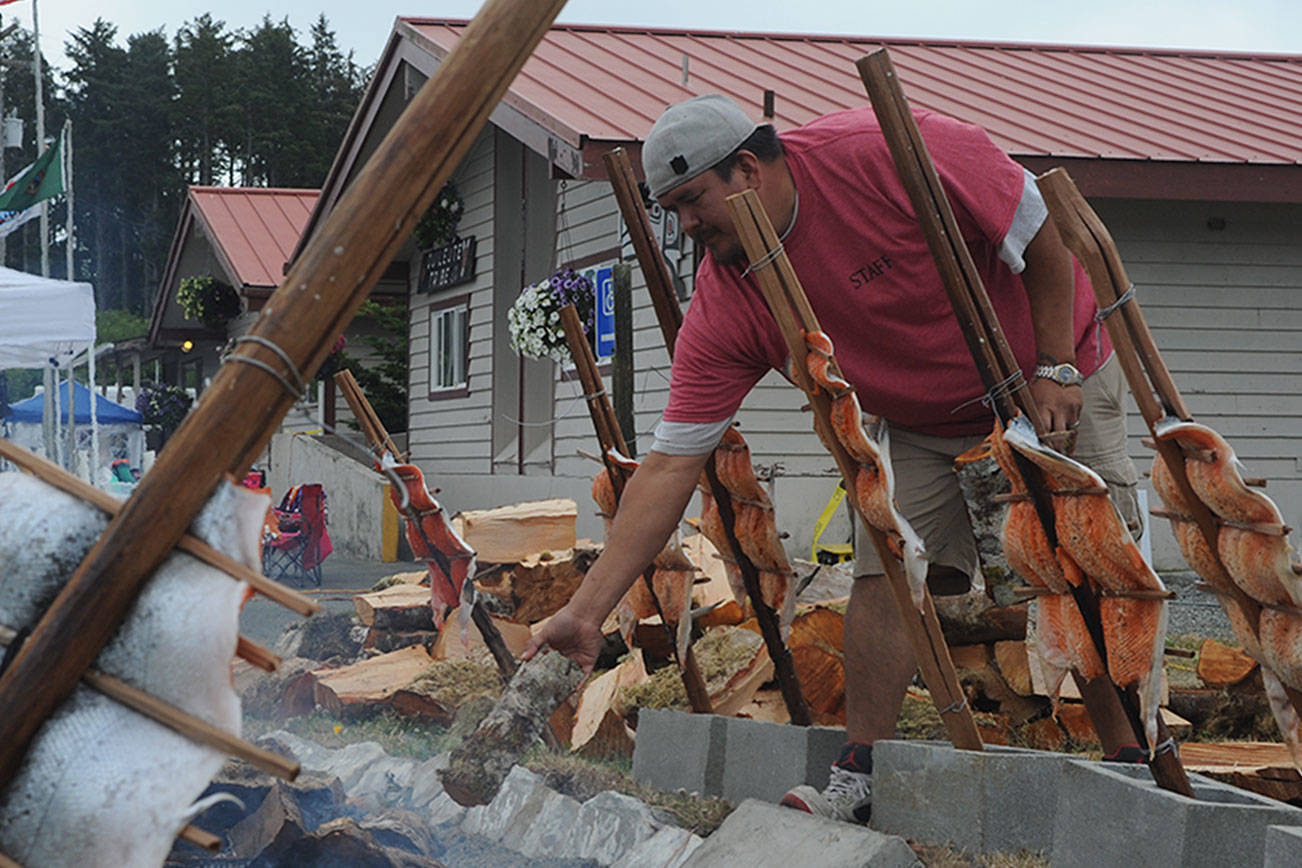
(688, 219)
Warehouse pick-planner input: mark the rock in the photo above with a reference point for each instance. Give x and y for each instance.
(444, 811)
(609, 825)
(757, 833)
(668, 848)
(346, 844)
(521, 798)
(326, 636)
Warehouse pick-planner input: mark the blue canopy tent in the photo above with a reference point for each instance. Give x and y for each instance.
(106, 412)
(118, 432)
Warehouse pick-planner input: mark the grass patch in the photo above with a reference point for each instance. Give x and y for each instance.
(453, 682)
(397, 734)
(582, 779)
(721, 653)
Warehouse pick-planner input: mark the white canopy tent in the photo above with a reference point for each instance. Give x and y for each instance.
(47, 323)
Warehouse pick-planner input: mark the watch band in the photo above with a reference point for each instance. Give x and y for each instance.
(1063, 373)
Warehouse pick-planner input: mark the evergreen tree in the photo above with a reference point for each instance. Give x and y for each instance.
(274, 90)
(96, 85)
(206, 108)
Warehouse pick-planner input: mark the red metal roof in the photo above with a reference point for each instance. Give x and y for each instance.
(254, 229)
(608, 84)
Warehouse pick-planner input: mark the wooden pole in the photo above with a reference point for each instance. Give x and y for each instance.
(787, 300)
(669, 313)
(1115, 715)
(609, 436)
(238, 413)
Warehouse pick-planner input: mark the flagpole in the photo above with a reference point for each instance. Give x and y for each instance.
(69, 245)
(40, 137)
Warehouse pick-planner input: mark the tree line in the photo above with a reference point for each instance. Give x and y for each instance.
(260, 106)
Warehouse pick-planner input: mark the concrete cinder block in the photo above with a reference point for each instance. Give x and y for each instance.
(763, 760)
(761, 834)
(730, 756)
(997, 799)
(1101, 805)
(1283, 847)
(675, 750)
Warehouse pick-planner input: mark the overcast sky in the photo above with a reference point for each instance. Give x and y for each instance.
(1248, 25)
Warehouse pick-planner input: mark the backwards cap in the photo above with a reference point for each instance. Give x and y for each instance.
(690, 138)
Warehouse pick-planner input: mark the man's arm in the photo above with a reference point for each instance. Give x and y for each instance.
(1050, 286)
(650, 509)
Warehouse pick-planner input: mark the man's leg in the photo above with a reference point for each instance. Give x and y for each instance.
(879, 661)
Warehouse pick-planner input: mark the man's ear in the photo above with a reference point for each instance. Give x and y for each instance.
(750, 167)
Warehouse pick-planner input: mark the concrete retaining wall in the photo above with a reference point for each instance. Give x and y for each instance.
(356, 494)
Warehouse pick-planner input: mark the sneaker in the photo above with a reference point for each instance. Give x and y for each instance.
(847, 797)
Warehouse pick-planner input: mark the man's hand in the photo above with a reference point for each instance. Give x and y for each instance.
(1060, 406)
(576, 637)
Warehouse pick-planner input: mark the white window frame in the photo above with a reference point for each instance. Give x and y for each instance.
(449, 335)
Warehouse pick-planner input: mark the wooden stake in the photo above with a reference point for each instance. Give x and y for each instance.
(670, 316)
(239, 411)
(257, 655)
(1114, 713)
(790, 306)
(61, 479)
(201, 838)
(609, 436)
(369, 421)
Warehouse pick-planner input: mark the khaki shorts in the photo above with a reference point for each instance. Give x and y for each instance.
(926, 486)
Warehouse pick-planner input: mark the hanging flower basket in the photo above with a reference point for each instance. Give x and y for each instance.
(438, 226)
(208, 300)
(163, 407)
(534, 320)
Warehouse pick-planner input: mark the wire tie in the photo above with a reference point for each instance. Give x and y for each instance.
(297, 389)
(1168, 745)
(955, 707)
(766, 259)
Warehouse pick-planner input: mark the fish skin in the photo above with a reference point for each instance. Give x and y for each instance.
(102, 785)
(1260, 564)
(733, 465)
(1286, 716)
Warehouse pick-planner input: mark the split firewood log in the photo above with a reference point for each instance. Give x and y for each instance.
(458, 643)
(544, 581)
(1222, 666)
(356, 689)
(600, 730)
(397, 607)
(510, 534)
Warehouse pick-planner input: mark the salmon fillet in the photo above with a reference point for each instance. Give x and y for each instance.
(873, 485)
(1092, 533)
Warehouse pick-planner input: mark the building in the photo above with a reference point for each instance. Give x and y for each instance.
(1191, 158)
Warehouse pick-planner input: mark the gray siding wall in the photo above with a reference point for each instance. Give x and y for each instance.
(1221, 288)
(450, 436)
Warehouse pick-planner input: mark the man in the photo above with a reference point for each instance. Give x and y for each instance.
(847, 226)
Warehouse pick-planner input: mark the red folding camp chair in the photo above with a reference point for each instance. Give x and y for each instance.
(302, 542)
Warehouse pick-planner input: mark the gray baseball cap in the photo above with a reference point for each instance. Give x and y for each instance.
(691, 137)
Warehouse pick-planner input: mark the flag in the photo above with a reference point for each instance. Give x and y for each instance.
(11, 220)
(43, 179)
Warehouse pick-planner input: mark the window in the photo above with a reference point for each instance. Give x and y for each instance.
(448, 347)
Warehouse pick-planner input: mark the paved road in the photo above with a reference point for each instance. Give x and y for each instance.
(263, 621)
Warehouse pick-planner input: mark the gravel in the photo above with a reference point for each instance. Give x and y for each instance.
(1193, 611)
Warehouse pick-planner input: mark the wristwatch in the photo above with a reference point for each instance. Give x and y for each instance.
(1063, 373)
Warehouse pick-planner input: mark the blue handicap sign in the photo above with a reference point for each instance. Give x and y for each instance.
(605, 312)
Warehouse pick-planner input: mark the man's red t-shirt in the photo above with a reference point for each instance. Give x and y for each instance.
(860, 254)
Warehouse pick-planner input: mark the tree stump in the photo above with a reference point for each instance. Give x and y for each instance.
(478, 766)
